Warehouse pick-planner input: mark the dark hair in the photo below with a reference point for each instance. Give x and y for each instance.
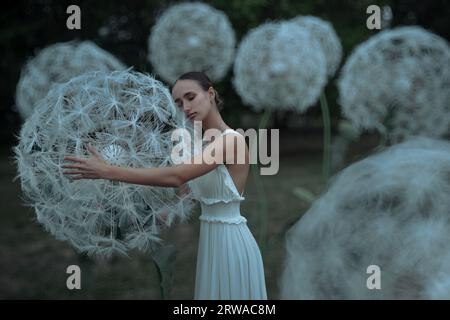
(203, 80)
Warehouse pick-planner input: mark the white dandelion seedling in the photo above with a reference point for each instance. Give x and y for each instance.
(397, 82)
(279, 65)
(129, 118)
(286, 65)
(59, 63)
(191, 36)
(325, 34)
(390, 210)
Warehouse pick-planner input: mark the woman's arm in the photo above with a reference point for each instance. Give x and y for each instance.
(96, 167)
(176, 175)
(160, 177)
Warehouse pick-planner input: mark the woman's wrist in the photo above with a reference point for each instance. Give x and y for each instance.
(110, 172)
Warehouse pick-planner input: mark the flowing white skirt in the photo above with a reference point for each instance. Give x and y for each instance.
(229, 262)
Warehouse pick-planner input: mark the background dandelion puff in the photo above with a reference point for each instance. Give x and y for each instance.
(325, 34)
(392, 210)
(398, 82)
(59, 63)
(279, 65)
(191, 36)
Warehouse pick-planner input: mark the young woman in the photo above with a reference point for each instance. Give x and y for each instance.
(229, 262)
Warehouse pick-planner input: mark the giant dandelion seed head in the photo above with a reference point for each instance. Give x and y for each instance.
(191, 36)
(279, 66)
(324, 33)
(391, 210)
(129, 118)
(398, 82)
(59, 63)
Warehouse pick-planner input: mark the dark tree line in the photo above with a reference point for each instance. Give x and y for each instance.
(122, 27)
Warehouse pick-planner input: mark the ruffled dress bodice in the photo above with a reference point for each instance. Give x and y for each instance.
(218, 195)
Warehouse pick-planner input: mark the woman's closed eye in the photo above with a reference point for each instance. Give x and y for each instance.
(190, 98)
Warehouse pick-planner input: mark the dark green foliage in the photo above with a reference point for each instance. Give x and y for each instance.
(30, 25)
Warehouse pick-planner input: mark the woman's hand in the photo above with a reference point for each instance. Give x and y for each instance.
(94, 167)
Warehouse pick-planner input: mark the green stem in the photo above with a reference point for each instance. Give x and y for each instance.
(160, 280)
(164, 257)
(262, 213)
(383, 139)
(326, 161)
(264, 119)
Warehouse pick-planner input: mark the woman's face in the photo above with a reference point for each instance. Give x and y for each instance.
(192, 99)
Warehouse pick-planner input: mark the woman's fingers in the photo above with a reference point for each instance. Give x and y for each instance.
(94, 151)
(80, 176)
(74, 159)
(73, 166)
(83, 168)
(71, 172)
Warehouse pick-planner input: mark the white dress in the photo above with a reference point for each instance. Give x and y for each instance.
(229, 262)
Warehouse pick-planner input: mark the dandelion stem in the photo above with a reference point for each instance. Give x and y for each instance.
(262, 200)
(264, 119)
(383, 139)
(326, 161)
(160, 280)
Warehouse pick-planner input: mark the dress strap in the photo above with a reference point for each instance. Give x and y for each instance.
(226, 169)
(230, 130)
(224, 131)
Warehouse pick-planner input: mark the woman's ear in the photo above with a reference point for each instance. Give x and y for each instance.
(211, 93)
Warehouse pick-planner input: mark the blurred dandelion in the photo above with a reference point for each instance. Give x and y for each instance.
(392, 210)
(191, 36)
(324, 33)
(59, 63)
(397, 82)
(129, 117)
(279, 65)
(286, 65)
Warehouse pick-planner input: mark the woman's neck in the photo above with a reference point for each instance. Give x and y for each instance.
(214, 121)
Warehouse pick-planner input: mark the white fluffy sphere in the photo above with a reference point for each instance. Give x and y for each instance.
(324, 33)
(191, 37)
(129, 118)
(398, 82)
(279, 66)
(59, 63)
(391, 210)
